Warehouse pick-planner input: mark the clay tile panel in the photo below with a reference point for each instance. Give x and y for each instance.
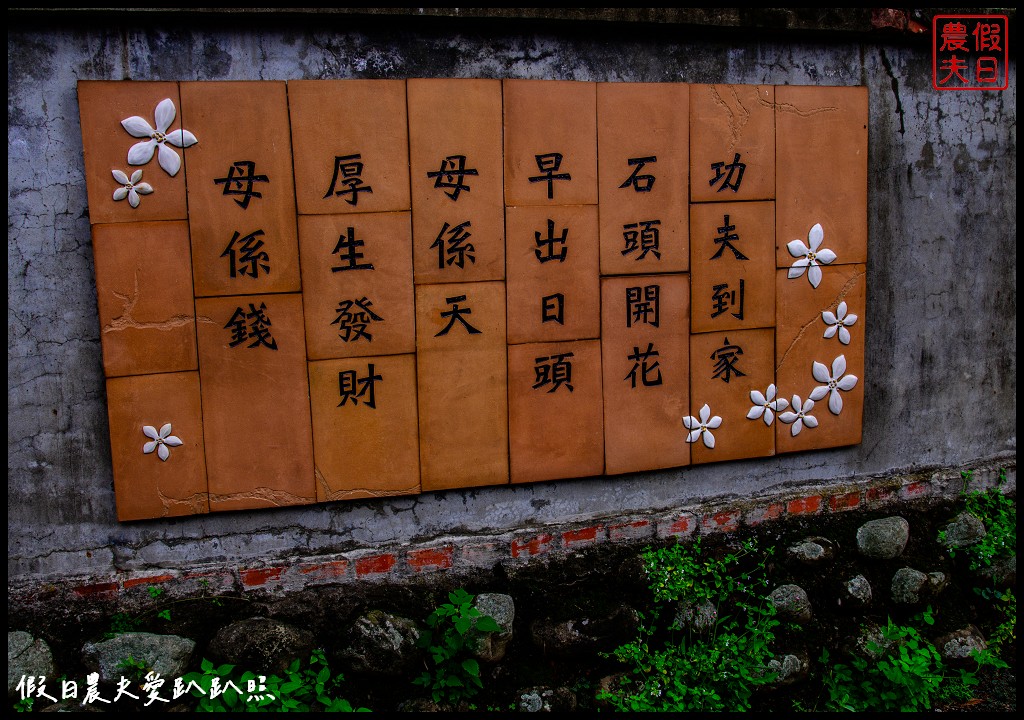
(143, 287)
(357, 276)
(350, 142)
(252, 361)
(732, 143)
(107, 145)
(821, 325)
(241, 198)
(553, 276)
(456, 165)
(462, 384)
(555, 418)
(725, 369)
(550, 142)
(643, 175)
(161, 414)
(645, 344)
(822, 156)
(732, 264)
(365, 427)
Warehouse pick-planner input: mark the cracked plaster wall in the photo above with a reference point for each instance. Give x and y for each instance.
(941, 310)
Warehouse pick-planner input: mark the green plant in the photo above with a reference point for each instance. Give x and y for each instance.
(303, 689)
(1005, 633)
(907, 674)
(685, 668)
(999, 514)
(121, 623)
(133, 669)
(24, 705)
(455, 677)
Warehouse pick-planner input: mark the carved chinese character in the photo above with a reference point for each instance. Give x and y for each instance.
(347, 250)
(548, 164)
(348, 169)
(239, 181)
(251, 260)
(452, 174)
(555, 370)
(351, 387)
(257, 329)
(456, 313)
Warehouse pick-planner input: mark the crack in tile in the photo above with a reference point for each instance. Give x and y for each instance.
(126, 321)
(195, 503)
(840, 297)
(738, 118)
(790, 108)
(351, 493)
(275, 497)
(372, 493)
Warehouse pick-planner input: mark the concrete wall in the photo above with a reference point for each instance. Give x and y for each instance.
(940, 385)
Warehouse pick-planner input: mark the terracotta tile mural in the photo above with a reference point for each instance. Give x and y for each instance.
(468, 282)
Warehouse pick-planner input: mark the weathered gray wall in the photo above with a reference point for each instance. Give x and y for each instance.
(940, 381)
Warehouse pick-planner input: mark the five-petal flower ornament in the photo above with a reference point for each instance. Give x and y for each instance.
(765, 405)
(142, 152)
(801, 417)
(131, 188)
(160, 441)
(833, 383)
(838, 322)
(810, 257)
(702, 427)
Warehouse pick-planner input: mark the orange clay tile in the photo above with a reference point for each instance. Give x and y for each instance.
(716, 362)
(806, 315)
(555, 423)
(643, 171)
(732, 130)
(255, 401)
(358, 301)
(143, 286)
(161, 414)
(822, 156)
(241, 199)
(456, 166)
(732, 252)
(462, 385)
(553, 280)
(645, 349)
(106, 144)
(350, 142)
(550, 142)
(364, 427)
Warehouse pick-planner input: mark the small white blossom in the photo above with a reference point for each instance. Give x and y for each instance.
(810, 257)
(160, 441)
(702, 427)
(838, 322)
(801, 417)
(765, 406)
(833, 383)
(131, 187)
(142, 152)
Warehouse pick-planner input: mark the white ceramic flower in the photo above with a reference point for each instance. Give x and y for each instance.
(142, 152)
(801, 417)
(702, 427)
(838, 322)
(810, 257)
(833, 383)
(765, 406)
(160, 441)
(131, 187)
